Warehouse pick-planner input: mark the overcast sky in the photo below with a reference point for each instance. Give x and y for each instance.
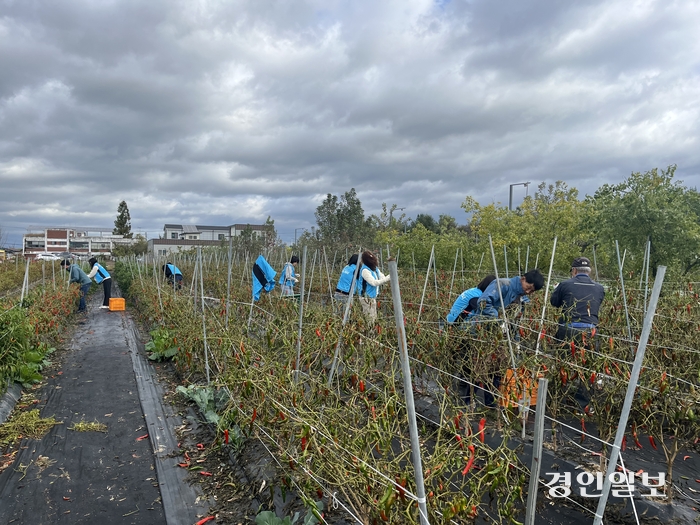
(221, 112)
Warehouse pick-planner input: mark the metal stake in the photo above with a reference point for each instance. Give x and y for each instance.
(408, 393)
(301, 313)
(536, 452)
(631, 387)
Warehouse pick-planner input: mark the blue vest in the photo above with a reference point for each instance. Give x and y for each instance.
(101, 274)
(345, 280)
(367, 289)
(461, 303)
(284, 273)
(174, 270)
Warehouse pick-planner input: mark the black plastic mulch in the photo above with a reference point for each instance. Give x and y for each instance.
(96, 477)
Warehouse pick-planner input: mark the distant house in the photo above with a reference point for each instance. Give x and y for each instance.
(79, 241)
(178, 237)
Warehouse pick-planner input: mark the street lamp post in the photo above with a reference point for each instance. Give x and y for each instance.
(510, 201)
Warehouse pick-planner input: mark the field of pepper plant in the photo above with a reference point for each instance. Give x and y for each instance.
(344, 438)
(31, 318)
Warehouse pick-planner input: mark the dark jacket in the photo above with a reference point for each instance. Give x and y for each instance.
(579, 298)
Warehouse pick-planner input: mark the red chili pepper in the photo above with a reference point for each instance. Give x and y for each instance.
(255, 415)
(203, 521)
(374, 414)
(459, 440)
(624, 443)
(141, 438)
(468, 467)
(318, 333)
(593, 376)
(304, 444)
(652, 442)
(482, 424)
(563, 375)
(205, 473)
(573, 349)
(607, 369)
(200, 446)
(226, 436)
(583, 424)
(362, 385)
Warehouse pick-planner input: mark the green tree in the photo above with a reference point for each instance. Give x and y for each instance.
(650, 206)
(341, 220)
(427, 221)
(122, 224)
(388, 219)
(447, 223)
(554, 210)
(138, 248)
(270, 234)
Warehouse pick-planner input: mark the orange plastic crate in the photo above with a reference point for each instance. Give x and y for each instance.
(117, 304)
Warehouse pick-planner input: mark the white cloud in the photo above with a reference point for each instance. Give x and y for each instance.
(230, 111)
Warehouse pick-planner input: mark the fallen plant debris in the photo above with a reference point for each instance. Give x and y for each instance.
(25, 425)
(88, 426)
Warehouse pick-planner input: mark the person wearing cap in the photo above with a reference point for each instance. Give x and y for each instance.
(77, 275)
(289, 276)
(579, 299)
(101, 275)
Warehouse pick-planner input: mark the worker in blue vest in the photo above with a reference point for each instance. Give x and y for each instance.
(289, 276)
(467, 301)
(173, 274)
(372, 278)
(342, 289)
(101, 275)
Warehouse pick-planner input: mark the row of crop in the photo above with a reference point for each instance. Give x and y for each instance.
(30, 329)
(256, 367)
(349, 437)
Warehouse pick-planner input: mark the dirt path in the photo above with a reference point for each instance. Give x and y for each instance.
(123, 475)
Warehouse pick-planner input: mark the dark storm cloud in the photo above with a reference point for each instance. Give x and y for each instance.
(230, 111)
